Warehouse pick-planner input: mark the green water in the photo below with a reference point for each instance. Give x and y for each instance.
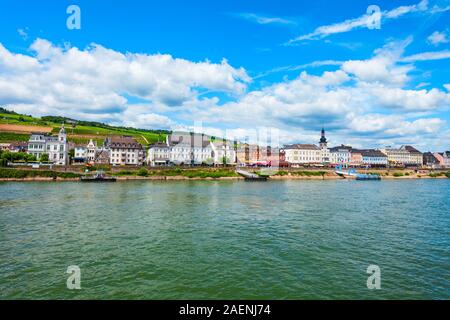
(227, 240)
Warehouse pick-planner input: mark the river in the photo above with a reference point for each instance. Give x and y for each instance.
(225, 239)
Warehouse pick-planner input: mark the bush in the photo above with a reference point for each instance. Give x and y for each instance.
(17, 156)
(447, 174)
(142, 172)
(124, 173)
(398, 174)
(3, 163)
(309, 173)
(20, 174)
(44, 158)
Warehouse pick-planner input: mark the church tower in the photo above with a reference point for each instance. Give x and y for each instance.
(324, 148)
(62, 136)
(323, 140)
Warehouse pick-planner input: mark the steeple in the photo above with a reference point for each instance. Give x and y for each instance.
(62, 136)
(323, 139)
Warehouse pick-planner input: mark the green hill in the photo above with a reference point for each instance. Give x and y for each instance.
(78, 131)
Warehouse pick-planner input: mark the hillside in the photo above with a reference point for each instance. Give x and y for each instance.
(17, 127)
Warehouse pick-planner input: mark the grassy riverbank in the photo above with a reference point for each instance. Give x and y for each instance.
(8, 174)
(23, 174)
(188, 173)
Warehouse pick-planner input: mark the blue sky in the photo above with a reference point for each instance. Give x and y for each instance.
(243, 66)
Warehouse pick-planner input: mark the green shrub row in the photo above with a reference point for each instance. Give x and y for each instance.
(196, 173)
(20, 174)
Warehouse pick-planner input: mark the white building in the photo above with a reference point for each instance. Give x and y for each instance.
(91, 151)
(56, 147)
(303, 154)
(80, 154)
(190, 149)
(223, 152)
(340, 155)
(374, 158)
(405, 155)
(158, 155)
(125, 151)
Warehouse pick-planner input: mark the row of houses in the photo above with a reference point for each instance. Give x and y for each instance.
(198, 149)
(192, 149)
(311, 154)
(121, 150)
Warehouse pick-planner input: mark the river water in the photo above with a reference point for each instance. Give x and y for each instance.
(225, 239)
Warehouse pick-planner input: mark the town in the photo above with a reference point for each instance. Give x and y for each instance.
(197, 149)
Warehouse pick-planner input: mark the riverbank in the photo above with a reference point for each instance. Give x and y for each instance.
(14, 174)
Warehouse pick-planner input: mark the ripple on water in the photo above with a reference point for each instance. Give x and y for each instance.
(228, 240)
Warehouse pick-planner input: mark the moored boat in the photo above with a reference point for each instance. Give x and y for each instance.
(98, 177)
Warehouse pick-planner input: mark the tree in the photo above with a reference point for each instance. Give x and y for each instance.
(225, 160)
(44, 157)
(71, 154)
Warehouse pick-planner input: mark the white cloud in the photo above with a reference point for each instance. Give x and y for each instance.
(423, 84)
(395, 125)
(364, 102)
(425, 56)
(383, 66)
(265, 20)
(437, 38)
(360, 22)
(22, 33)
(437, 9)
(98, 80)
(409, 100)
(314, 64)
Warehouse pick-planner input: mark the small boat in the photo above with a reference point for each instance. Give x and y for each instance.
(367, 177)
(251, 176)
(98, 177)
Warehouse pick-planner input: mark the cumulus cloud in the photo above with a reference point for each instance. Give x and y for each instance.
(97, 80)
(344, 100)
(364, 102)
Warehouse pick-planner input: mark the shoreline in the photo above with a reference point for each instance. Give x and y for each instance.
(183, 178)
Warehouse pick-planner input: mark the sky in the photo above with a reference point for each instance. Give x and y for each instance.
(373, 73)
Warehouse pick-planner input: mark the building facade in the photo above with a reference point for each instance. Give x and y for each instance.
(223, 152)
(80, 154)
(56, 147)
(158, 154)
(298, 154)
(182, 149)
(430, 160)
(374, 158)
(403, 156)
(443, 158)
(125, 150)
(340, 155)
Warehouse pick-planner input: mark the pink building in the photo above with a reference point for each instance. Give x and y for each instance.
(443, 158)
